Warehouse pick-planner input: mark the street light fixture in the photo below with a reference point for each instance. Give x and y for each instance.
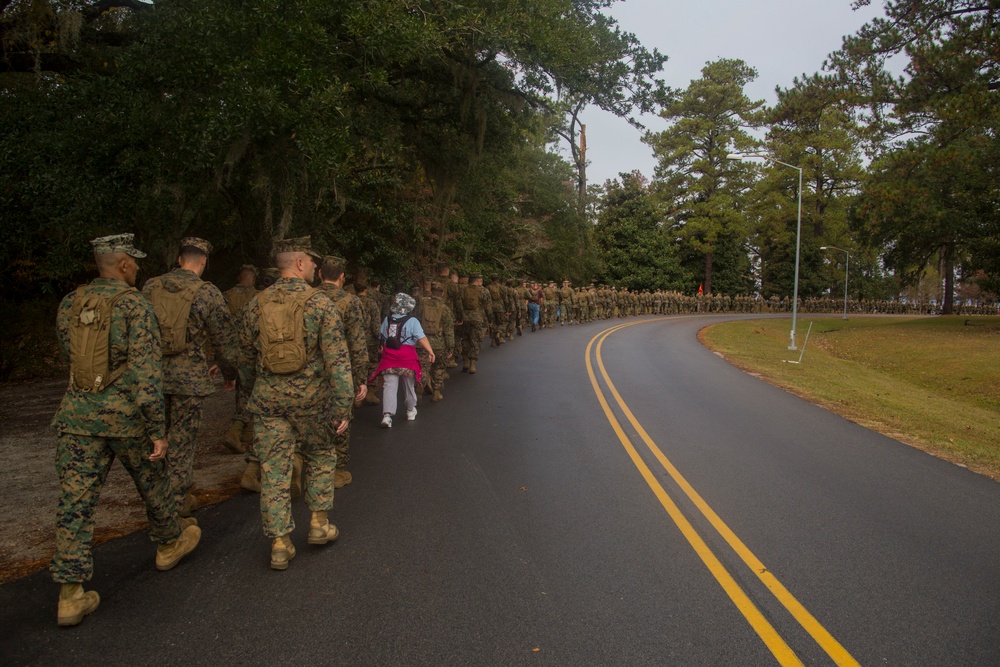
(798, 230)
(847, 268)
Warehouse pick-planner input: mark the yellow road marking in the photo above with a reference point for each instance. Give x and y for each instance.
(761, 626)
(822, 637)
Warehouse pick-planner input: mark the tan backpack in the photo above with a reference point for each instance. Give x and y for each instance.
(470, 297)
(90, 340)
(433, 314)
(237, 298)
(173, 308)
(282, 330)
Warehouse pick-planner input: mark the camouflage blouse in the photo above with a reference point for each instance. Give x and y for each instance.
(133, 405)
(323, 386)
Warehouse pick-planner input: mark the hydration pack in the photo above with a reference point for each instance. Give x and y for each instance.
(282, 329)
(172, 304)
(433, 313)
(90, 340)
(470, 297)
(394, 331)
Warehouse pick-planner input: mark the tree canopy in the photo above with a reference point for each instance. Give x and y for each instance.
(398, 133)
(402, 133)
(699, 187)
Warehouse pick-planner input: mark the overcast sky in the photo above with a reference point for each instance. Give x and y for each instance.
(781, 39)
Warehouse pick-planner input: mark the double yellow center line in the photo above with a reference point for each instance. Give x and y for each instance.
(761, 626)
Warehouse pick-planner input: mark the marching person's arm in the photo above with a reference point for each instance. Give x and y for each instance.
(221, 331)
(246, 327)
(426, 344)
(144, 361)
(337, 363)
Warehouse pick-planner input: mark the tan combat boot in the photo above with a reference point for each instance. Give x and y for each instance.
(341, 478)
(437, 396)
(234, 437)
(75, 603)
(296, 475)
(371, 398)
(282, 551)
(472, 367)
(169, 554)
(247, 436)
(251, 477)
(190, 505)
(465, 366)
(321, 530)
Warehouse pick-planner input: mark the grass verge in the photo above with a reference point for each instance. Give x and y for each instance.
(928, 382)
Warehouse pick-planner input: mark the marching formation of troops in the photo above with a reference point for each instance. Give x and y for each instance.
(300, 348)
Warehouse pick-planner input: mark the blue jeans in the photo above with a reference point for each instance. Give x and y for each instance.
(533, 311)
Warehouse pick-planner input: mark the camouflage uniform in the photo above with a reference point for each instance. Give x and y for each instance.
(453, 297)
(373, 320)
(511, 310)
(418, 300)
(237, 297)
(292, 409)
(186, 379)
(383, 300)
(578, 305)
(478, 310)
(353, 316)
(550, 301)
(438, 324)
(520, 307)
(499, 320)
(565, 297)
(94, 428)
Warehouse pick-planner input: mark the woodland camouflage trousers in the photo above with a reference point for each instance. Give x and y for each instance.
(83, 462)
(183, 422)
(277, 439)
(472, 338)
(341, 442)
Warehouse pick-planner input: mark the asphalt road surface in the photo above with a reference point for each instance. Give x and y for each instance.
(591, 497)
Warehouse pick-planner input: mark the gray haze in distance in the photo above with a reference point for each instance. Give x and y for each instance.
(781, 39)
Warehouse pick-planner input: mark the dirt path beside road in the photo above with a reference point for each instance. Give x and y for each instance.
(29, 487)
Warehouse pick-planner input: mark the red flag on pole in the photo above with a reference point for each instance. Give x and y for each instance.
(701, 288)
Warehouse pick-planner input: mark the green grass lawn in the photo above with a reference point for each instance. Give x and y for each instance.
(933, 383)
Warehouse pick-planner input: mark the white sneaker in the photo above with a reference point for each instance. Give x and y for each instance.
(411, 414)
(386, 421)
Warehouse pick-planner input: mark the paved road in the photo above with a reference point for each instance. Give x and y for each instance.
(511, 525)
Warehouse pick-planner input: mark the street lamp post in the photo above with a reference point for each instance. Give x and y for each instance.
(798, 231)
(847, 268)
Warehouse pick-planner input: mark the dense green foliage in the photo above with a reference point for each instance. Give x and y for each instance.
(398, 133)
(699, 187)
(401, 133)
(931, 195)
(638, 250)
(811, 126)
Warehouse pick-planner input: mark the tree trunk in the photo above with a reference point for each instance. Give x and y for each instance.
(708, 273)
(819, 228)
(948, 307)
